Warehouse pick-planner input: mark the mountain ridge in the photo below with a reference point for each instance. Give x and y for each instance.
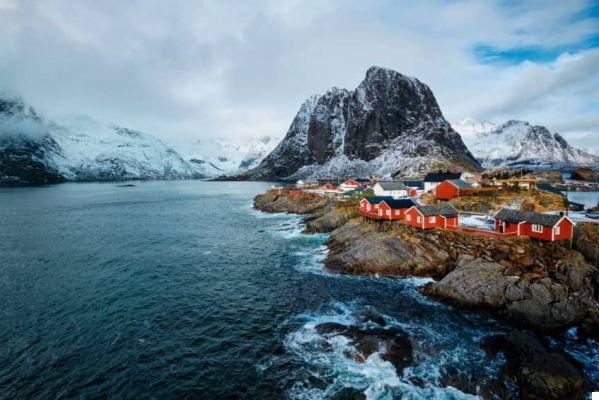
(390, 124)
(519, 144)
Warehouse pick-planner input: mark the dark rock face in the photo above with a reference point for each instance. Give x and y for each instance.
(543, 373)
(25, 147)
(544, 304)
(393, 344)
(390, 123)
(23, 161)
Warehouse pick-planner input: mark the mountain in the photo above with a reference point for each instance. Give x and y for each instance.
(219, 156)
(520, 144)
(390, 124)
(36, 151)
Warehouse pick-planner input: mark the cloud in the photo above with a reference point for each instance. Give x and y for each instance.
(190, 70)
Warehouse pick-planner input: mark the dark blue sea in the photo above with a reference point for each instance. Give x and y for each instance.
(168, 290)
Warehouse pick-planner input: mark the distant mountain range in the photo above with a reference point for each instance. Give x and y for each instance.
(219, 156)
(519, 144)
(390, 124)
(34, 150)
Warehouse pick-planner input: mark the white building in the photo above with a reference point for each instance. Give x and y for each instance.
(391, 188)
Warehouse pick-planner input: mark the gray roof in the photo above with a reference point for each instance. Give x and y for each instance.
(393, 185)
(446, 210)
(510, 215)
(400, 203)
(414, 184)
(441, 176)
(460, 183)
(378, 199)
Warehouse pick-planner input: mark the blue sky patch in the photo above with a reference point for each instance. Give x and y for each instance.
(489, 54)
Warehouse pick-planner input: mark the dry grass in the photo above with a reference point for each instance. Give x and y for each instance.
(532, 200)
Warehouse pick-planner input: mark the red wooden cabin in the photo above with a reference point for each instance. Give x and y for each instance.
(436, 216)
(549, 227)
(452, 188)
(384, 207)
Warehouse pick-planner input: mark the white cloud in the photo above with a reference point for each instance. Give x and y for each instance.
(186, 70)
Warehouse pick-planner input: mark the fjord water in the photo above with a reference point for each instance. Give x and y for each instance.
(181, 290)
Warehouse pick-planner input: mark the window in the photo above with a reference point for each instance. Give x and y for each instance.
(557, 230)
(432, 220)
(388, 213)
(368, 206)
(419, 219)
(537, 228)
(396, 212)
(408, 217)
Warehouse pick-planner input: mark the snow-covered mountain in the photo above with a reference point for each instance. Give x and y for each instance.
(34, 150)
(390, 124)
(520, 144)
(214, 157)
(469, 126)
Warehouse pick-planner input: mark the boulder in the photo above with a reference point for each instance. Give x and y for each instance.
(537, 303)
(543, 373)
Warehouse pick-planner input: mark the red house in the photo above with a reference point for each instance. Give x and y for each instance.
(452, 188)
(535, 225)
(384, 207)
(437, 216)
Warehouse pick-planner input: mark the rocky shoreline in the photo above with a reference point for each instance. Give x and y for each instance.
(544, 287)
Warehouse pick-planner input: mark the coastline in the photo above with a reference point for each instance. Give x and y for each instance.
(537, 288)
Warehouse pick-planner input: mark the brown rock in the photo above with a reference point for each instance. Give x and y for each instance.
(526, 261)
(504, 248)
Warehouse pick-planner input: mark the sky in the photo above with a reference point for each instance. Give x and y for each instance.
(188, 70)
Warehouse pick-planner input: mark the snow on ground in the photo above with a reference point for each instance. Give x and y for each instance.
(576, 216)
(476, 221)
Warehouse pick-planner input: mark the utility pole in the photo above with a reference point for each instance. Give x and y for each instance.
(567, 200)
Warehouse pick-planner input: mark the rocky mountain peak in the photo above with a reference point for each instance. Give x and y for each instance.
(389, 124)
(518, 143)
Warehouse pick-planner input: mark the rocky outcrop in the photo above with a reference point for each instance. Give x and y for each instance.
(545, 286)
(330, 219)
(359, 247)
(390, 124)
(392, 343)
(540, 371)
(586, 240)
(280, 201)
(547, 304)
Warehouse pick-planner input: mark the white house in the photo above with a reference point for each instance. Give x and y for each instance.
(432, 179)
(391, 188)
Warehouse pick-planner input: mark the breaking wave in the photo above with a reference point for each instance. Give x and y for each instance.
(443, 359)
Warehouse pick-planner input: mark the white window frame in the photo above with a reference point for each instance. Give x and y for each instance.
(432, 220)
(368, 206)
(419, 219)
(408, 217)
(557, 230)
(536, 228)
(388, 212)
(396, 212)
